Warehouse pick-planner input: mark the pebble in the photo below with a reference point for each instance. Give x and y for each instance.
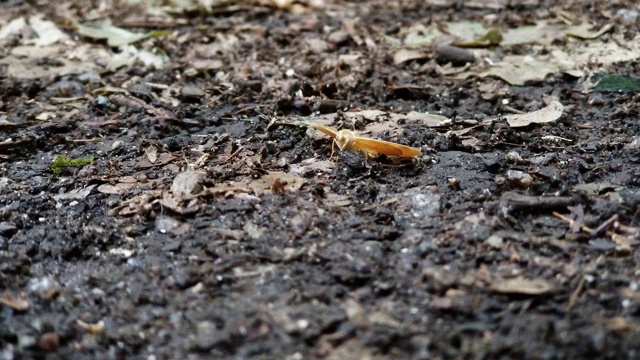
(628, 17)
(187, 183)
(208, 336)
(514, 157)
(45, 287)
(49, 342)
(4, 185)
(519, 179)
(495, 241)
(164, 224)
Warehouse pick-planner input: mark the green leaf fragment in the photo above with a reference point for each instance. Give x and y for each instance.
(617, 83)
(62, 162)
(492, 37)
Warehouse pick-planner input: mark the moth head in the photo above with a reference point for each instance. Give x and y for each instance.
(344, 139)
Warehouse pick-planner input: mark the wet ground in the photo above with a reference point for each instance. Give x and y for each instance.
(211, 223)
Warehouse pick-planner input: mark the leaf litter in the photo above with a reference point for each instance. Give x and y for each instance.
(524, 197)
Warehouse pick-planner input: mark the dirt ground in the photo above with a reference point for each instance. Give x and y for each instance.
(208, 222)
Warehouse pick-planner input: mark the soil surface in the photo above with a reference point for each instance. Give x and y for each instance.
(212, 223)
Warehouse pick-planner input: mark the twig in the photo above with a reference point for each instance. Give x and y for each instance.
(228, 157)
(571, 222)
(574, 295)
(512, 110)
(604, 226)
(600, 230)
(515, 201)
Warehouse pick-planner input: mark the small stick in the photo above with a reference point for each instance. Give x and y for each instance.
(574, 295)
(571, 222)
(604, 226)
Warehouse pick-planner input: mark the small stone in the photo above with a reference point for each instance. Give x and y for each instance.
(46, 287)
(338, 37)
(4, 185)
(116, 145)
(207, 336)
(514, 157)
(495, 241)
(192, 91)
(628, 17)
(187, 183)
(519, 179)
(164, 224)
(25, 341)
(49, 342)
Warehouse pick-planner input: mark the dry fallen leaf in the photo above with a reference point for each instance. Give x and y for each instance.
(541, 33)
(48, 32)
(19, 303)
(312, 164)
(404, 55)
(25, 62)
(117, 189)
(336, 201)
(115, 36)
(264, 184)
(132, 56)
(162, 159)
(13, 27)
(547, 114)
(91, 328)
(419, 36)
(522, 286)
(152, 153)
(584, 31)
(382, 318)
(77, 194)
(619, 323)
(517, 69)
(228, 233)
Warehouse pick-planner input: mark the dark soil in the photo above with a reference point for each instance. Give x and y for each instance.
(454, 256)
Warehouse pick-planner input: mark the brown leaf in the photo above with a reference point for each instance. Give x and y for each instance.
(264, 184)
(619, 323)
(163, 159)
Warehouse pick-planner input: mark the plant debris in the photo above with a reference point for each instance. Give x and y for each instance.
(211, 222)
(62, 162)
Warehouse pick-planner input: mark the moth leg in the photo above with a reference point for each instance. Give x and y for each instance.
(333, 145)
(371, 156)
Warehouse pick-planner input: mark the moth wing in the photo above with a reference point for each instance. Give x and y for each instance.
(325, 129)
(374, 146)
